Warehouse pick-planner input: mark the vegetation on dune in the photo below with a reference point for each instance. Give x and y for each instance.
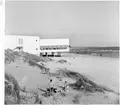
(76, 99)
(62, 61)
(117, 101)
(10, 56)
(82, 82)
(35, 58)
(37, 99)
(15, 95)
(12, 90)
(43, 68)
(31, 59)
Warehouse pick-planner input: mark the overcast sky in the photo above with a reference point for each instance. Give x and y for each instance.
(85, 23)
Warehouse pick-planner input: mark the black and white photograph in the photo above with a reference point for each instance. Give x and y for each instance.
(61, 52)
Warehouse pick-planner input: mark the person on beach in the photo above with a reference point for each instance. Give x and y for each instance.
(65, 86)
(52, 87)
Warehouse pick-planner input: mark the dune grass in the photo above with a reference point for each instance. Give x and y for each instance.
(34, 57)
(62, 61)
(11, 55)
(12, 89)
(31, 59)
(15, 95)
(81, 80)
(76, 99)
(43, 68)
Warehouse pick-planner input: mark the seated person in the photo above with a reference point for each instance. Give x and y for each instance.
(65, 86)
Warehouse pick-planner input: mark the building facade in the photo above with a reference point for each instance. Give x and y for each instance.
(37, 46)
(28, 44)
(53, 47)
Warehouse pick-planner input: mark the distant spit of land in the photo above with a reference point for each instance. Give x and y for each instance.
(97, 51)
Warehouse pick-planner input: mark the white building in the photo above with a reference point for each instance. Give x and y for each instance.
(53, 46)
(35, 45)
(26, 43)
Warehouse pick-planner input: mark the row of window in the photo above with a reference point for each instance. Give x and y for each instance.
(57, 48)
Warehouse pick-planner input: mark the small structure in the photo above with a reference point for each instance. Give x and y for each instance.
(28, 44)
(53, 47)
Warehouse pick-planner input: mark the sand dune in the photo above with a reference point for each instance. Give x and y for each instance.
(102, 71)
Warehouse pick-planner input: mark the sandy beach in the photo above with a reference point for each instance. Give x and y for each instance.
(103, 71)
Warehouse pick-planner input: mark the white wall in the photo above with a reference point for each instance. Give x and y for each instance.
(29, 43)
(48, 42)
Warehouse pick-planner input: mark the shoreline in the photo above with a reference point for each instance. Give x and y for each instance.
(93, 55)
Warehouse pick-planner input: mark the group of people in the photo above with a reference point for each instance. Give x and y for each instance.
(56, 87)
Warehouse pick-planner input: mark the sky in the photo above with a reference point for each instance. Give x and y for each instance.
(86, 23)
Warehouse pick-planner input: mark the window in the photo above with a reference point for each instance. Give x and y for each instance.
(54, 48)
(20, 41)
